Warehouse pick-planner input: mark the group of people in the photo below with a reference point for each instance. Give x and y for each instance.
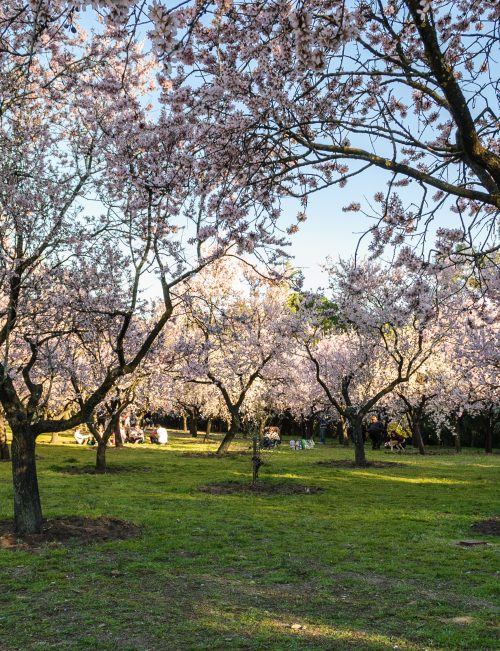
(132, 433)
(83, 439)
(129, 432)
(270, 438)
(159, 435)
(376, 431)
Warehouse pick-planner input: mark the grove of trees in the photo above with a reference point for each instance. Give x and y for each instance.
(146, 159)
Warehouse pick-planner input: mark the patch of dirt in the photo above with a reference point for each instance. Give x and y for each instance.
(90, 470)
(214, 455)
(63, 530)
(261, 488)
(471, 543)
(343, 463)
(490, 527)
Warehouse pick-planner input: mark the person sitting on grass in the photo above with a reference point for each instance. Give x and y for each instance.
(162, 434)
(271, 438)
(136, 435)
(159, 436)
(376, 432)
(80, 438)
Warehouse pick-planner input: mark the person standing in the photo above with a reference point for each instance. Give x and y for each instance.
(323, 429)
(376, 432)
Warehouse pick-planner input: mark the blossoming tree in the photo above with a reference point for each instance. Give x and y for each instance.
(238, 324)
(393, 322)
(402, 93)
(103, 199)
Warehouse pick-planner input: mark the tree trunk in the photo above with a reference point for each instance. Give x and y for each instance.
(226, 442)
(358, 440)
(229, 437)
(256, 460)
(184, 422)
(458, 434)
(302, 426)
(100, 460)
(208, 430)
(488, 434)
(54, 439)
(193, 425)
(339, 432)
(342, 432)
(4, 446)
(115, 428)
(27, 507)
(488, 443)
(417, 440)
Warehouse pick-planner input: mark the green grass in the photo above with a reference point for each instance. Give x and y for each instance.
(370, 563)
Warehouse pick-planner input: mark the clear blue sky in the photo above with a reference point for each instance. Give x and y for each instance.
(328, 231)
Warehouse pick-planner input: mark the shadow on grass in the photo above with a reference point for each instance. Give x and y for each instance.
(213, 455)
(114, 469)
(260, 488)
(345, 463)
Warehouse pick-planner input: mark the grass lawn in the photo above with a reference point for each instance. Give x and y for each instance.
(372, 562)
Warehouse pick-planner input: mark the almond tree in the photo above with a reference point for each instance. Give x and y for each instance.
(99, 195)
(403, 92)
(420, 396)
(470, 379)
(392, 323)
(237, 324)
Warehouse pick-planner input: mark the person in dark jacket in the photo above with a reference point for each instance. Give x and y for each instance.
(323, 429)
(376, 432)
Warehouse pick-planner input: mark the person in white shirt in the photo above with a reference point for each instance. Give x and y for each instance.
(162, 435)
(80, 438)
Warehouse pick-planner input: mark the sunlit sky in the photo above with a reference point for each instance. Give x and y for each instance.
(327, 232)
(331, 232)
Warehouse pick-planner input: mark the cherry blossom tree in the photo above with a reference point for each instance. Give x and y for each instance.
(420, 396)
(470, 381)
(317, 93)
(393, 322)
(106, 203)
(403, 92)
(237, 324)
(196, 402)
